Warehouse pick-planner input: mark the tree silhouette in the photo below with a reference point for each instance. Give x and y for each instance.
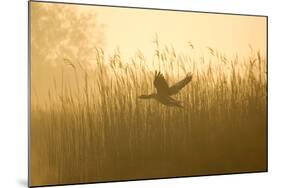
(63, 31)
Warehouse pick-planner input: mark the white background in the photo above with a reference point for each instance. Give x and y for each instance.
(13, 99)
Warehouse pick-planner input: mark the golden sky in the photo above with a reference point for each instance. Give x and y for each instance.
(132, 29)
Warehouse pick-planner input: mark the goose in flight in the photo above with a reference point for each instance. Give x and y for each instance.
(164, 92)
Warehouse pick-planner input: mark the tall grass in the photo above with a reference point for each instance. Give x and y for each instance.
(93, 127)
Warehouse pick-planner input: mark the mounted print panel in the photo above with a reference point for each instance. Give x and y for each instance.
(120, 93)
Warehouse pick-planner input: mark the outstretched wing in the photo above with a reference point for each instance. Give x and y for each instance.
(161, 84)
(174, 89)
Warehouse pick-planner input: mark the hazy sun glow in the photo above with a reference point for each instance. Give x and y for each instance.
(100, 113)
(132, 29)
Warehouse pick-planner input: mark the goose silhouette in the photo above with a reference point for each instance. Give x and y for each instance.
(164, 92)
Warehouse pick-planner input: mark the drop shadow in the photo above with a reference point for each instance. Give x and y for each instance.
(22, 182)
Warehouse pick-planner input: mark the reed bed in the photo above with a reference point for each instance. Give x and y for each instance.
(93, 127)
